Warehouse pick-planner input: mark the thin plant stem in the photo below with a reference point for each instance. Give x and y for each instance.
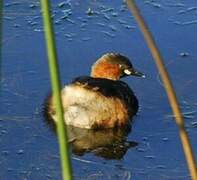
(168, 87)
(55, 81)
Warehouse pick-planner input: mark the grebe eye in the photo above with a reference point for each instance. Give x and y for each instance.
(127, 72)
(120, 66)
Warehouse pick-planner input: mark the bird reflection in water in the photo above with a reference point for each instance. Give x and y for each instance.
(106, 143)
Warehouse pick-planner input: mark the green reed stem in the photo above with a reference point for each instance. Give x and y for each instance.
(55, 81)
(168, 87)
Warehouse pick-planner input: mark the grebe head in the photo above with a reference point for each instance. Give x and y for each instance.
(113, 66)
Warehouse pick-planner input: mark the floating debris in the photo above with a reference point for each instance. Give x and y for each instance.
(48, 176)
(150, 157)
(157, 5)
(194, 124)
(12, 4)
(101, 24)
(108, 34)
(32, 6)
(16, 25)
(66, 13)
(9, 18)
(186, 115)
(129, 27)
(3, 131)
(38, 30)
(187, 10)
(112, 27)
(190, 22)
(64, 16)
(9, 169)
(114, 14)
(106, 16)
(161, 167)
(23, 172)
(184, 54)
(107, 10)
(71, 21)
(165, 139)
(176, 5)
(32, 23)
(122, 21)
(182, 11)
(86, 39)
(70, 39)
(90, 12)
(70, 35)
(184, 23)
(64, 4)
(140, 149)
(35, 17)
(58, 22)
(5, 153)
(145, 138)
(189, 113)
(61, 4)
(123, 8)
(21, 151)
(83, 25)
(192, 9)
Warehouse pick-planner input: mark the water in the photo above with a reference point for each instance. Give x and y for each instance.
(84, 31)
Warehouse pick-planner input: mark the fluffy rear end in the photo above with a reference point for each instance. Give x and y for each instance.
(87, 108)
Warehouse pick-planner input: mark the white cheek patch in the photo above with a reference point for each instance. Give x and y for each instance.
(126, 71)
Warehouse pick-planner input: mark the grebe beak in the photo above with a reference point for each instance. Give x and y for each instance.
(133, 72)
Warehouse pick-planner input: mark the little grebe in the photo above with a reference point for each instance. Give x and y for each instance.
(100, 100)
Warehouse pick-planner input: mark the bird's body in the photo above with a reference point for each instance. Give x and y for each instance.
(99, 101)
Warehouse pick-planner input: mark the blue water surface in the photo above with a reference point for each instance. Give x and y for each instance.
(84, 31)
